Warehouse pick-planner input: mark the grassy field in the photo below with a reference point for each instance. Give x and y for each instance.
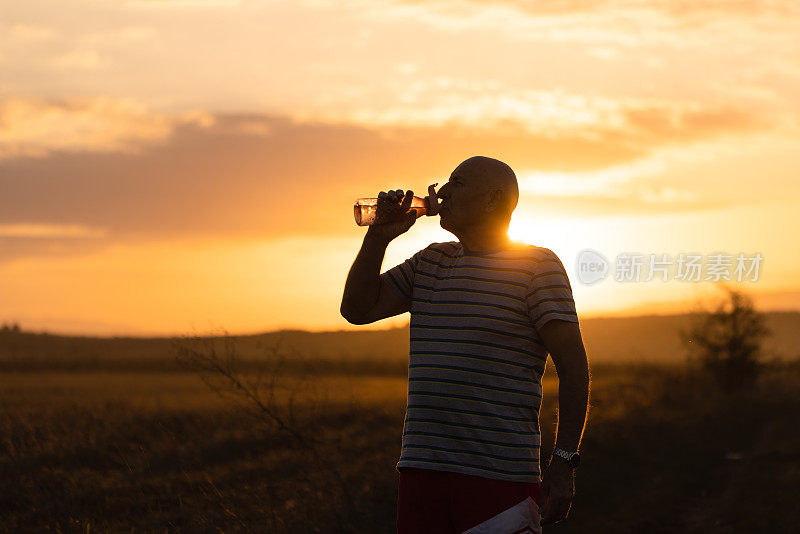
(288, 451)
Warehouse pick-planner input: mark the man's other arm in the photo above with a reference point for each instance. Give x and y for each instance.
(565, 345)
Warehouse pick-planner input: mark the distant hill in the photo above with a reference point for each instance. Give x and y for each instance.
(650, 338)
(656, 338)
(20, 349)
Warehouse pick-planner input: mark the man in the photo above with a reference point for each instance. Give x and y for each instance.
(485, 312)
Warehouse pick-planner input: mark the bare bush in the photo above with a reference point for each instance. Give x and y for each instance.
(726, 341)
(287, 402)
(265, 395)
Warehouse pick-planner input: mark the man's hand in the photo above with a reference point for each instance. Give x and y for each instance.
(557, 491)
(391, 206)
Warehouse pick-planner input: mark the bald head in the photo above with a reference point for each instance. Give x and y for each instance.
(479, 197)
(493, 178)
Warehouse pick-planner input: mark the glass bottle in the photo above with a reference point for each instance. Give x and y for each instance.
(365, 209)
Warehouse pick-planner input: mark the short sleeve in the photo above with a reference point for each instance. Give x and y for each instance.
(550, 293)
(401, 276)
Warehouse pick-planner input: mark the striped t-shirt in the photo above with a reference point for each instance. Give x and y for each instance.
(476, 358)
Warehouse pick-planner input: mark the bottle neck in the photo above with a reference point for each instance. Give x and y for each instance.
(430, 205)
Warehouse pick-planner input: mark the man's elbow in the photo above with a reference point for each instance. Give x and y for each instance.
(351, 317)
(352, 320)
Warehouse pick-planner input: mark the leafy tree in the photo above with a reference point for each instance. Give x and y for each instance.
(727, 341)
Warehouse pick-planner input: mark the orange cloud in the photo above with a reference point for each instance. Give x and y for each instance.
(634, 200)
(553, 114)
(28, 33)
(49, 230)
(34, 127)
(676, 9)
(260, 176)
(651, 125)
(179, 4)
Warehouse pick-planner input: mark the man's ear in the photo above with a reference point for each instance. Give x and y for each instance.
(496, 200)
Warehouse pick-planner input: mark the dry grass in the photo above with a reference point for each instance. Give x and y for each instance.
(121, 451)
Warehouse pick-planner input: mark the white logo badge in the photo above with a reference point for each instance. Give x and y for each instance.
(592, 267)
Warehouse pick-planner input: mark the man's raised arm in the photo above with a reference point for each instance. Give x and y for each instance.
(366, 297)
(363, 287)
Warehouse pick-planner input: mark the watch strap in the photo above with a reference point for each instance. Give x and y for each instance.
(562, 453)
(572, 458)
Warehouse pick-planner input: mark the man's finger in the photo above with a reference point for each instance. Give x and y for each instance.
(551, 513)
(544, 514)
(544, 498)
(556, 511)
(407, 200)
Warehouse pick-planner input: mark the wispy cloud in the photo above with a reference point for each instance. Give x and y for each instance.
(81, 59)
(182, 4)
(553, 114)
(466, 57)
(61, 231)
(639, 187)
(626, 23)
(29, 33)
(35, 127)
(642, 201)
(596, 182)
(696, 12)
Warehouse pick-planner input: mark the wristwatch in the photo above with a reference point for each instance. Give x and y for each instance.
(572, 458)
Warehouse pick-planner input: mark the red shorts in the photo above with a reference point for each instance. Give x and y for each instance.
(443, 502)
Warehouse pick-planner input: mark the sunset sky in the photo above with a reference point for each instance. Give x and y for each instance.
(169, 166)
